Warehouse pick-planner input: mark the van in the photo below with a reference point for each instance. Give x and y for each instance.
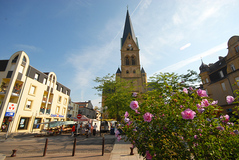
(105, 126)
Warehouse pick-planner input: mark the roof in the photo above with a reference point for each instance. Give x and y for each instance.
(128, 28)
(3, 65)
(118, 71)
(142, 70)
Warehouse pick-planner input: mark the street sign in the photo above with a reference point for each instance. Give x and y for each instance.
(79, 116)
(8, 114)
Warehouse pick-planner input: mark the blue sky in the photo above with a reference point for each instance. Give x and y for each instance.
(80, 39)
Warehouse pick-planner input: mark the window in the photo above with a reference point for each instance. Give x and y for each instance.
(65, 100)
(127, 60)
(64, 111)
(59, 99)
(223, 86)
(44, 81)
(56, 86)
(127, 72)
(133, 60)
(61, 89)
(32, 90)
(57, 109)
(221, 74)
(237, 48)
(233, 67)
(134, 71)
(24, 59)
(23, 123)
(55, 119)
(36, 121)
(21, 68)
(36, 77)
(207, 80)
(29, 104)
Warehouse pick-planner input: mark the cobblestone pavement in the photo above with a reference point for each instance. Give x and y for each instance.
(59, 146)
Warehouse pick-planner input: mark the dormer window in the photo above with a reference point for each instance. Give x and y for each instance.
(232, 67)
(221, 74)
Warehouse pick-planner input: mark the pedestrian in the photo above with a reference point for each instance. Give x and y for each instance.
(94, 129)
(89, 129)
(61, 129)
(73, 129)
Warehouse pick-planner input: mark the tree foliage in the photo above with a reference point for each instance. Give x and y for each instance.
(115, 94)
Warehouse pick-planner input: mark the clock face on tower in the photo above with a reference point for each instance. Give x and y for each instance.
(129, 45)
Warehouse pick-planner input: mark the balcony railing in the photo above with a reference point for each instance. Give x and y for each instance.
(48, 111)
(42, 110)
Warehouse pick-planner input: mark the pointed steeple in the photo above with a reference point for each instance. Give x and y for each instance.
(118, 71)
(142, 70)
(128, 28)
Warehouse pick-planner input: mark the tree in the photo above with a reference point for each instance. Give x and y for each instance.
(115, 94)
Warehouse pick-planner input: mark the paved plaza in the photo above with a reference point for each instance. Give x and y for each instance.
(61, 147)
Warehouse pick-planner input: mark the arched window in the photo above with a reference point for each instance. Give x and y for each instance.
(126, 60)
(15, 59)
(134, 71)
(24, 59)
(127, 72)
(133, 60)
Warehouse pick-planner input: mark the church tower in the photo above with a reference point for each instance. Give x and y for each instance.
(130, 60)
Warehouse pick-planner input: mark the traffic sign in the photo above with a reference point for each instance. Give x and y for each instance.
(79, 116)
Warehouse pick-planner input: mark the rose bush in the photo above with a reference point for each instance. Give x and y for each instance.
(184, 125)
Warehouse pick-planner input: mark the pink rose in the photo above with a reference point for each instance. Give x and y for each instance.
(225, 118)
(148, 156)
(230, 99)
(202, 93)
(214, 102)
(126, 114)
(191, 88)
(185, 90)
(205, 103)
(188, 114)
(147, 117)
(134, 105)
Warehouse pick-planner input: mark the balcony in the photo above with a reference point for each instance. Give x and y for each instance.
(44, 100)
(50, 101)
(48, 111)
(42, 110)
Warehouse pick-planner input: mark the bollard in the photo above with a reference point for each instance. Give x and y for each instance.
(14, 153)
(44, 153)
(131, 152)
(74, 147)
(103, 145)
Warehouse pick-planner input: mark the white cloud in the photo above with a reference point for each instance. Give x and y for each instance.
(192, 59)
(185, 46)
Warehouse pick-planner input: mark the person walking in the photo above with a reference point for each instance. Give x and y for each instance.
(94, 129)
(73, 129)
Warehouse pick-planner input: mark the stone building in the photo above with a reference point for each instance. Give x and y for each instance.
(86, 108)
(130, 59)
(219, 78)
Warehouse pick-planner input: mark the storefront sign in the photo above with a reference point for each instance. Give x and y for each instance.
(56, 115)
(11, 109)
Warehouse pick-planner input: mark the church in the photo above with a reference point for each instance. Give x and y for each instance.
(130, 60)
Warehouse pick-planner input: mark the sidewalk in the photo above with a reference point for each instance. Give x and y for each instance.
(121, 151)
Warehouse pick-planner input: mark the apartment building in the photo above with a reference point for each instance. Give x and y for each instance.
(29, 96)
(86, 108)
(72, 110)
(221, 78)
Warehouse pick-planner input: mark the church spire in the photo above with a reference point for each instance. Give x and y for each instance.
(128, 28)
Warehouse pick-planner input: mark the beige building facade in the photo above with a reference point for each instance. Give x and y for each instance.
(29, 96)
(221, 78)
(130, 59)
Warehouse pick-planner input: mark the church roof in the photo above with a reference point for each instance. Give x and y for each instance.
(128, 28)
(118, 71)
(142, 70)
